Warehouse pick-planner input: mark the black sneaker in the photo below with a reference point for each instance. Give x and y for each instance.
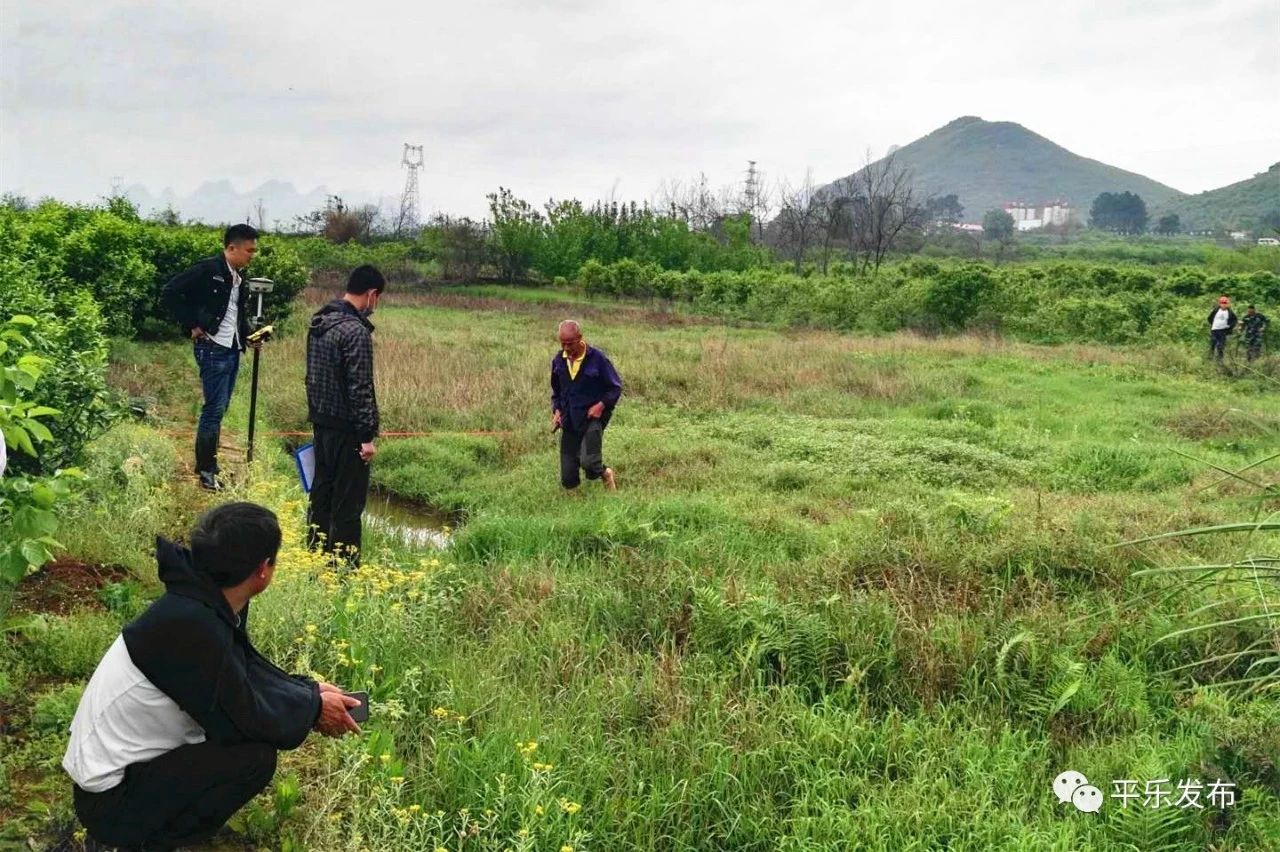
(209, 481)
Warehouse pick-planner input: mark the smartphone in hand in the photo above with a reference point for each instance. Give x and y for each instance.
(359, 714)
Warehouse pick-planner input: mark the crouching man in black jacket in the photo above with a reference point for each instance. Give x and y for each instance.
(181, 721)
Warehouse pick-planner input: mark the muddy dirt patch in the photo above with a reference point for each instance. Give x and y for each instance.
(65, 585)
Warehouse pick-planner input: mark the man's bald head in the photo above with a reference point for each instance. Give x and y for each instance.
(570, 334)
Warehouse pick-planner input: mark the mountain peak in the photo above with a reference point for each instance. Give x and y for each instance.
(987, 163)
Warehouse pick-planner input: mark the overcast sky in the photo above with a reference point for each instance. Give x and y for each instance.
(589, 98)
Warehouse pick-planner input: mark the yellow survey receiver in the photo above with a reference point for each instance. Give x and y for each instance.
(262, 334)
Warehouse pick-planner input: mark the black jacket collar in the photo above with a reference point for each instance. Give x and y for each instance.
(180, 577)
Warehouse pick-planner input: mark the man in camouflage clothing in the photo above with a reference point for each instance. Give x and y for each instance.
(1254, 325)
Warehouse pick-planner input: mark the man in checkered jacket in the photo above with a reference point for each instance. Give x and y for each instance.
(343, 411)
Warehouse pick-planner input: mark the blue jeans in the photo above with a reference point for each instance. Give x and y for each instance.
(218, 366)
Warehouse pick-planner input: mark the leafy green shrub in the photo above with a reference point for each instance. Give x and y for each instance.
(53, 710)
(1051, 302)
(954, 295)
(122, 263)
(68, 334)
(628, 278)
(108, 256)
(594, 278)
(27, 518)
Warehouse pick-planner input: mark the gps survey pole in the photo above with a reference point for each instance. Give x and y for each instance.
(261, 333)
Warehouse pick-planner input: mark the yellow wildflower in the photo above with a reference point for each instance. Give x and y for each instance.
(566, 848)
(415, 808)
(385, 757)
(569, 807)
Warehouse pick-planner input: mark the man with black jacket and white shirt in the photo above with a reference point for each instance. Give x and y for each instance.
(343, 410)
(181, 721)
(1222, 321)
(212, 307)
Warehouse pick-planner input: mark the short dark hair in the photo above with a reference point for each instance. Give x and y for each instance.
(1252, 308)
(239, 234)
(229, 542)
(366, 278)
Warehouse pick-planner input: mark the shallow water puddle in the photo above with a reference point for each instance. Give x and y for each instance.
(411, 524)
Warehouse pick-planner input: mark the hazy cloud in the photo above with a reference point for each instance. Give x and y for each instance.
(573, 98)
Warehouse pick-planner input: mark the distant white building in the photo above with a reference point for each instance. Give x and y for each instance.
(1029, 217)
(1238, 235)
(1057, 213)
(968, 226)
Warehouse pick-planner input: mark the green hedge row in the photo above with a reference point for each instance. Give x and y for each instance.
(122, 262)
(1047, 302)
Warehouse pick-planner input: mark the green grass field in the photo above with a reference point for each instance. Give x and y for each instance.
(853, 593)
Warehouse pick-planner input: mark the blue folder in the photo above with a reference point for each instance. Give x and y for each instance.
(305, 458)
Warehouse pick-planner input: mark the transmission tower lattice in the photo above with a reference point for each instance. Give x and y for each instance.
(752, 195)
(409, 206)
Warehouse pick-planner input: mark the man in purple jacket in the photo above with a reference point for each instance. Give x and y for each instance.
(585, 388)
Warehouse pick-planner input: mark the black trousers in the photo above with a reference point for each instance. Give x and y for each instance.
(1218, 342)
(180, 798)
(583, 449)
(338, 492)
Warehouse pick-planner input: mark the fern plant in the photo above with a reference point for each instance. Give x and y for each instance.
(1143, 829)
